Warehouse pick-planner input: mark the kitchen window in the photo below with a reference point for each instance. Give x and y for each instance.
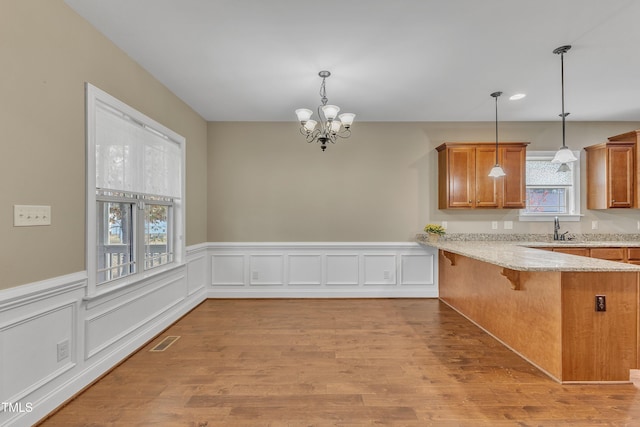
(550, 193)
(135, 183)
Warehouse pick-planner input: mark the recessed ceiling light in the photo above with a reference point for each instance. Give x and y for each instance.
(517, 96)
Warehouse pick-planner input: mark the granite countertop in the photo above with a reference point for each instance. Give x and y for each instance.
(521, 255)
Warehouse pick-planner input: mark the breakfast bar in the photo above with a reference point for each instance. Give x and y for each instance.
(576, 318)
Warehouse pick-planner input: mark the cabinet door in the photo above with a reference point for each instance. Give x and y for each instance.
(573, 251)
(633, 255)
(461, 179)
(513, 161)
(611, 254)
(486, 186)
(620, 182)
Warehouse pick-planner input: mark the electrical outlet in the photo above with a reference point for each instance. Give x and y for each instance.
(494, 225)
(508, 225)
(255, 275)
(387, 275)
(638, 225)
(445, 225)
(594, 225)
(63, 350)
(601, 303)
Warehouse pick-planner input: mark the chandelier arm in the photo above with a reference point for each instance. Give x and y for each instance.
(346, 133)
(323, 122)
(313, 136)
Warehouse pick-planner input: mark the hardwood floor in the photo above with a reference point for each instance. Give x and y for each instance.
(404, 362)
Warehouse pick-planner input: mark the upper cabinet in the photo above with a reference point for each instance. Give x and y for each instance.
(464, 181)
(612, 176)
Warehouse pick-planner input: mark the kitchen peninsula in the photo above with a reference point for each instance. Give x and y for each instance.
(548, 306)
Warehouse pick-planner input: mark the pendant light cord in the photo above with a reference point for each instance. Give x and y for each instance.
(561, 51)
(497, 129)
(562, 82)
(496, 95)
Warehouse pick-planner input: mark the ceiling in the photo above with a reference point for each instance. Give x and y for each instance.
(400, 60)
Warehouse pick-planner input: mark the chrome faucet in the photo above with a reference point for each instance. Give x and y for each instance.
(556, 229)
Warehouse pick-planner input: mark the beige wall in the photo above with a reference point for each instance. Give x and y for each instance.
(47, 53)
(245, 181)
(266, 184)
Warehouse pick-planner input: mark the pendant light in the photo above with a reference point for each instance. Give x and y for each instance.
(496, 171)
(563, 155)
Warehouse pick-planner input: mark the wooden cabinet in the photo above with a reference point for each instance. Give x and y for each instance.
(629, 255)
(464, 181)
(612, 174)
(611, 254)
(633, 256)
(513, 160)
(573, 251)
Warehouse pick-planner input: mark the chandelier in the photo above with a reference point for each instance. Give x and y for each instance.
(331, 126)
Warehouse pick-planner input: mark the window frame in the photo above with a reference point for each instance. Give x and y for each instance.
(94, 96)
(573, 201)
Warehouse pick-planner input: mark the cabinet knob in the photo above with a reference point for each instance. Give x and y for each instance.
(478, 201)
(613, 201)
(469, 201)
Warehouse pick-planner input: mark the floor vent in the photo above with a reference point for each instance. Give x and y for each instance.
(164, 344)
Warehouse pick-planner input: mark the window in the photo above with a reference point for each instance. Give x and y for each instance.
(551, 193)
(135, 182)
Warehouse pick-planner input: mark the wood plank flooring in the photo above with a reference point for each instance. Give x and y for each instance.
(314, 362)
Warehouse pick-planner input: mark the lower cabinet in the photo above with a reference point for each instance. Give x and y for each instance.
(550, 319)
(573, 251)
(620, 254)
(611, 254)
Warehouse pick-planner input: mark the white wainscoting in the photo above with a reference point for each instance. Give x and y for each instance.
(322, 270)
(100, 332)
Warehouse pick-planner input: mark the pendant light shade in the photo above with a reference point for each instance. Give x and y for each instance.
(563, 155)
(496, 170)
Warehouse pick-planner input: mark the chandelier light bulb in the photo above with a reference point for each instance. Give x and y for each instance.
(303, 114)
(310, 125)
(335, 126)
(347, 119)
(330, 111)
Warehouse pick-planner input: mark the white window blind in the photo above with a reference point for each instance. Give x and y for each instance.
(133, 157)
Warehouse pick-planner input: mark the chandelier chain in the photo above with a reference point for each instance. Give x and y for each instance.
(323, 92)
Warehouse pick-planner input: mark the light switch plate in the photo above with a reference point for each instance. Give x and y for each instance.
(31, 215)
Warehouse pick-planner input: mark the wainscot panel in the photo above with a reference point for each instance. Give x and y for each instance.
(54, 341)
(322, 270)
